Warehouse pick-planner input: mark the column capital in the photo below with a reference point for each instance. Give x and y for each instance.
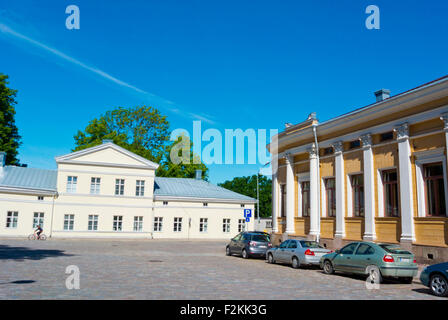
(402, 131)
(338, 147)
(289, 159)
(366, 140)
(312, 151)
(444, 118)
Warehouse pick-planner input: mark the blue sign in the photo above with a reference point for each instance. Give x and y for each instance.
(247, 219)
(247, 213)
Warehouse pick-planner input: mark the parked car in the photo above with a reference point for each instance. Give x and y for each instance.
(377, 260)
(297, 253)
(436, 278)
(249, 244)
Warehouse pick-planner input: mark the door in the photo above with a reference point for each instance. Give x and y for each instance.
(363, 258)
(281, 251)
(290, 250)
(234, 243)
(344, 260)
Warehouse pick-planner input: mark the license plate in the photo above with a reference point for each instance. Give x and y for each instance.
(405, 260)
(262, 247)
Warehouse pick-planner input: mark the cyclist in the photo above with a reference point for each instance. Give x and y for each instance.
(38, 231)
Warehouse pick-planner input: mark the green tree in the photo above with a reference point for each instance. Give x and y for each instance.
(142, 130)
(248, 186)
(9, 134)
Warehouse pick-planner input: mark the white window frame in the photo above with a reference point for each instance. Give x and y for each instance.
(70, 219)
(158, 224)
(117, 224)
(95, 185)
(226, 225)
(427, 157)
(380, 184)
(92, 222)
(177, 226)
(203, 225)
(38, 220)
(140, 188)
(138, 223)
(12, 217)
(350, 192)
(72, 183)
(241, 225)
(119, 183)
(301, 177)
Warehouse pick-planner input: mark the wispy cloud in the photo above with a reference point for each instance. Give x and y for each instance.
(170, 105)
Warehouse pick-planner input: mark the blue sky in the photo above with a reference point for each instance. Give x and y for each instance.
(233, 64)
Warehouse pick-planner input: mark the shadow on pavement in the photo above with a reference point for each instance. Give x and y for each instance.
(423, 291)
(21, 253)
(19, 282)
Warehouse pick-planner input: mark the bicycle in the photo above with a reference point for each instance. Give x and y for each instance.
(33, 236)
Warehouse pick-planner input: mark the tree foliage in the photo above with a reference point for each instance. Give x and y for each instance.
(9, 134)
(142, 130)
(248, 186)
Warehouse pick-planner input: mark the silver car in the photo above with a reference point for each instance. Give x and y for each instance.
(297, 253)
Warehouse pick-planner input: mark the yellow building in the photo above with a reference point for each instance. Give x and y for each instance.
(377, 173)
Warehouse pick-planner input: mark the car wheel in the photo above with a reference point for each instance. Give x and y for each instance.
(244, 254)
(271, 258)
(328, 267)
(374, 274)
(295, 263)
(227, 251)
(439, 285)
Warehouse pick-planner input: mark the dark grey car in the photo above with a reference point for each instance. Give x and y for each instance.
(249, 244)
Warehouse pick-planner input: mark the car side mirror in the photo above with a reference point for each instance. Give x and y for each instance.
(338, 251)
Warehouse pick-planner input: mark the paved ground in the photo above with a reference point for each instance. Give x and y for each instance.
(159, 269)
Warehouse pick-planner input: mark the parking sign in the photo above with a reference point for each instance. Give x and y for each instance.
(247, 213)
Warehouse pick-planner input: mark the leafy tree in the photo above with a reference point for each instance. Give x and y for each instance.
(142, 130)
(9, 134)
(248, 186)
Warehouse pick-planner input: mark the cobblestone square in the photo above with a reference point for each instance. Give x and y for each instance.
(168, 269)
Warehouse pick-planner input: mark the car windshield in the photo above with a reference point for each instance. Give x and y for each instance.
(310, 244)
(394, 249)
(260, 237)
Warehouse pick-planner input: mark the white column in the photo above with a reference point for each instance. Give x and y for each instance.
(275, 206)
(290, 227)
(406, 189)
(369, 188)
(340, 189)
(314, 192)
(444, 117)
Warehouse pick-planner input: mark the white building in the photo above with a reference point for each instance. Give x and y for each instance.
(107, 191)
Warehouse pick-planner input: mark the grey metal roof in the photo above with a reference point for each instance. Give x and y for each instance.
(193, 188)
(29, 178)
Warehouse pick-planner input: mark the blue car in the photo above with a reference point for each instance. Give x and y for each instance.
(436, 278)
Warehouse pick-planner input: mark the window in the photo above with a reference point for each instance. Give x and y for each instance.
(283, 200)
(40, 198)
(177, 224)
(284, 244)
(242, 205)
(386, 136)
(358, 195)
(69, 221)
(95, 185)
(118, 223)
(119, 187)
(241, 225)
(434, 189)
(365, 249)
(203, 222)
(330, 193)
(138, 223)
(140, 188)
(165, 203)
(205, 204)
(328, 151)
(226, 225)
(390, 187)
(11, 219)
(38, 220)
(269, 224)
(158, 224)
(355, 144)
(309, 244)
(349, 249)
(306, 199)
(71, 184)
(93, 222)
(292, 244)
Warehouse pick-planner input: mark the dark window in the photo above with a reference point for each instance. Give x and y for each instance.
(434, 189)
(349, 249)
(284, 244)
(328, 151)
(391, 202)
(245, 237)
(394, 249)
(260, 237)
(358, 195)
(306, 199)
(292, 244)
(331, 197)
(309, 244)
(386, 136)
(365, 249)
(355, 144)
(283, 200)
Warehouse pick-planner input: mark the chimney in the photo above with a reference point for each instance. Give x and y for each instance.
(198, 175)
(382, 94)
(2, 159)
